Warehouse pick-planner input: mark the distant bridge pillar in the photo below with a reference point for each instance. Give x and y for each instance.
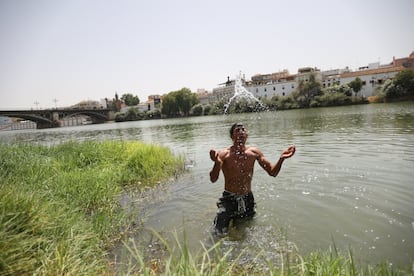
(111, 115)
(55, 116)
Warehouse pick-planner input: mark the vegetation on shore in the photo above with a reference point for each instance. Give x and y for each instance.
(60, 213)
(59, 206)
(179, 260)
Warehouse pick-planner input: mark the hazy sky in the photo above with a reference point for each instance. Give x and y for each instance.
(78, 50)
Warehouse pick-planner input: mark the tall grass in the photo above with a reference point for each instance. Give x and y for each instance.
(212, 260)
(59, 205)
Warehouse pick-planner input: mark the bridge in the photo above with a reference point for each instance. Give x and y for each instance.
(48, 118)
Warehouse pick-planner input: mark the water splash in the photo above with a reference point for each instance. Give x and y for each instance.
(240, 92)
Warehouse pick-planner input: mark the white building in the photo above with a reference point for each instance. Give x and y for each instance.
(283, 84)
(282, 87)
(371, 77)
(280, 83)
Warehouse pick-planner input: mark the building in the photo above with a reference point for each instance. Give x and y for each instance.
(371, 76)
(407, 62)
(283, 84)
(203, 96)
(153, 103)
(333, 77)
(274, 84)
(224, 91)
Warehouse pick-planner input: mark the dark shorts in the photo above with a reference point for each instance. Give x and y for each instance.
(231, 207)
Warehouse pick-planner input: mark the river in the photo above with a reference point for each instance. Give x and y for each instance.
(350, 182)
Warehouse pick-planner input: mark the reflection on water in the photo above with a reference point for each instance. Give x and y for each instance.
(350, 180)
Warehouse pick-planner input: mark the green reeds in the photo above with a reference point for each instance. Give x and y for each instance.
(179, 260)
(59, 205)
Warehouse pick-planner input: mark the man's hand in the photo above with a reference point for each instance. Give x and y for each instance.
(214, 173)
(214, 156)
(289, 152)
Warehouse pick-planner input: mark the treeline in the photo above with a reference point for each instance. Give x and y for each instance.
(309, 94)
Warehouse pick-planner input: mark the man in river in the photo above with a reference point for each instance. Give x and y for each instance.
(237, 163)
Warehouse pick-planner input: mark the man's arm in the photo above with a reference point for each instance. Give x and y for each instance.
(215, 171)
(273, 170)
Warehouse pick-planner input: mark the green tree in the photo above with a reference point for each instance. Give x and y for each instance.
(402, 85)
(130, 99)
(197, 110)
(306, 91)
(178, 103)
(405, 81)
(169, 106)
(207, 109)
(356, 85)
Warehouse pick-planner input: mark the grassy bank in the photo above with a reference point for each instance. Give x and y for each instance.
(179, 260)
(60, 213)
(59, 205)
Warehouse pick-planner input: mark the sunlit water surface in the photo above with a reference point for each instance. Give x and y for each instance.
(350, 182)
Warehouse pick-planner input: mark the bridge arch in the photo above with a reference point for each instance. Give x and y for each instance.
(51, 117)
(96, 117)
(41, 121)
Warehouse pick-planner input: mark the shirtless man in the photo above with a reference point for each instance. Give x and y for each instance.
(237, 163)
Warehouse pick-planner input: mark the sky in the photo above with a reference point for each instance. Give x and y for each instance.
(56, 53)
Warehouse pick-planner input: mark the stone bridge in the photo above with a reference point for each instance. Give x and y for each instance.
(48, 118)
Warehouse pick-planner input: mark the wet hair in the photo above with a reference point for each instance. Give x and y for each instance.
(233, 127)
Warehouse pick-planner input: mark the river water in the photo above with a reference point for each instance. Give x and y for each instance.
(350, 182)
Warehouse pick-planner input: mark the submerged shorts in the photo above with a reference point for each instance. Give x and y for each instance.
(232, 206)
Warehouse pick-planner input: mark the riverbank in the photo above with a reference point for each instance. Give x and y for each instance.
(60, 214)
(59, 205)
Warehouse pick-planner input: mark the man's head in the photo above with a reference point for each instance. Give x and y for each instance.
(239, 130)
(234, 126)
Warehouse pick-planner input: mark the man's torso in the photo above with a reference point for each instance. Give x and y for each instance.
(238, 168)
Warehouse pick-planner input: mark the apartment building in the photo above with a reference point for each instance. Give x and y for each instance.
(283, 83)
(371, 76)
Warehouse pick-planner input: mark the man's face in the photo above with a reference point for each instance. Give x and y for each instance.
(239, 134)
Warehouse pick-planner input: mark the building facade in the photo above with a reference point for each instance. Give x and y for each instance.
(283, 83)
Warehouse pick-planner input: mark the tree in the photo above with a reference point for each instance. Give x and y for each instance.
(130, 99)
(197, 110)
(401, 86)
(306, 91)
(169, 106)
(178, 103)
(405, 81)
(356, 85)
